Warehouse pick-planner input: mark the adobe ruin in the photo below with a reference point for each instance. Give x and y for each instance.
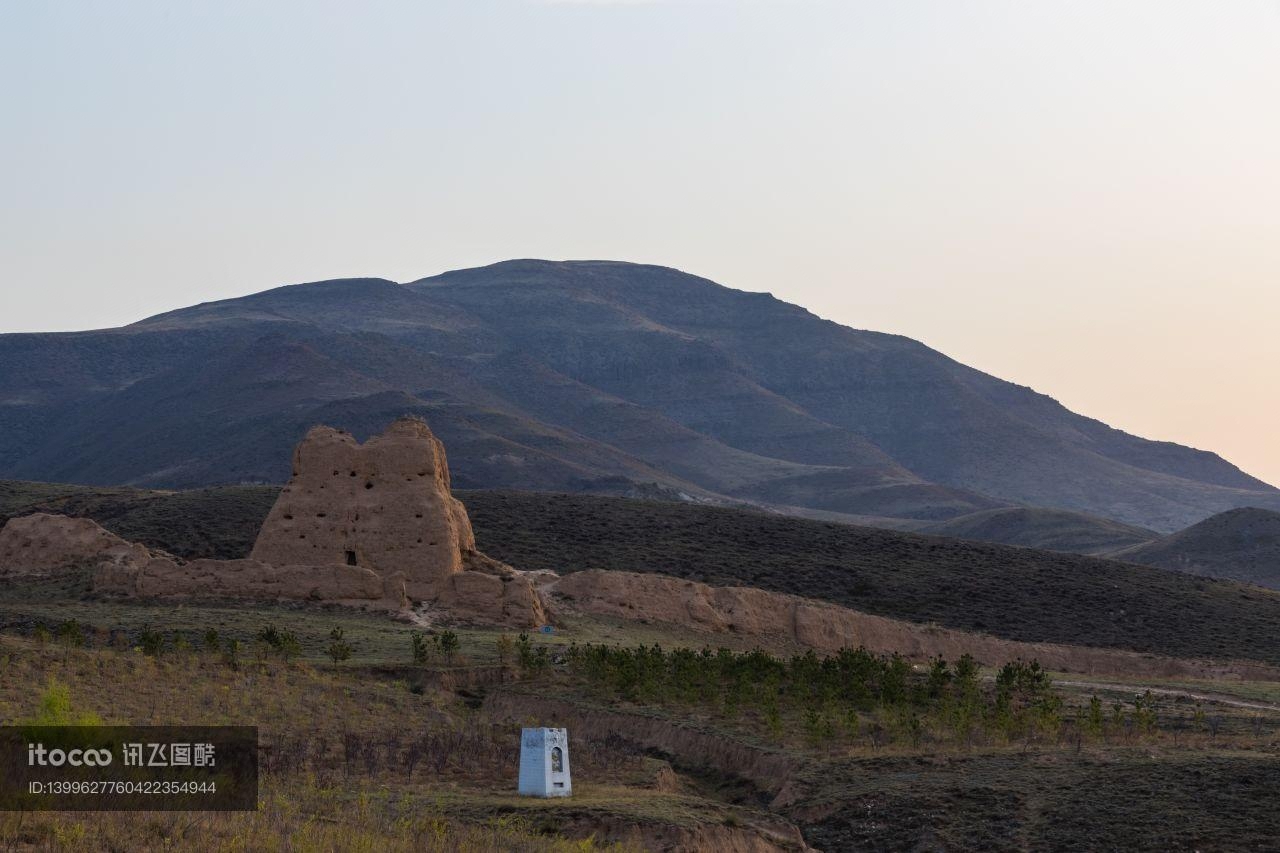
(372, 525)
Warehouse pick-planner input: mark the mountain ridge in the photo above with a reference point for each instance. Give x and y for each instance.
(569, 375)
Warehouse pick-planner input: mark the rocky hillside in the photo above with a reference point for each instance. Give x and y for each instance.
(584, 377)
(1243, 544)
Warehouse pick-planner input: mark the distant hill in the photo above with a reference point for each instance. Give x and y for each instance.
(590, 376)
(1242, 544)
(1018, 593)
(1051, 530)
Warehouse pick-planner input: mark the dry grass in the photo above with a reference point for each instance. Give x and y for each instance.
(348, 730)
(298, 816)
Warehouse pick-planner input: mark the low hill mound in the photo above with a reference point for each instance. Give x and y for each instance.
(1241, 544)
(1015, 593)
(1050, 529)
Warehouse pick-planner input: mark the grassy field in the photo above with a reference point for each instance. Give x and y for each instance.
(1200, 779)
(1018, 593)
(463, 800)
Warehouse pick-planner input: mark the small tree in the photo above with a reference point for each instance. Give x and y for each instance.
(506, 647)
(449, 644)
(70, 634)
(524, 652)
(813, 727)
(211, 641)
(1144, 712)
(339, 649)
(283, 643)
(290, 648)
(231, 653)
(1093, 721)
(773, 718)
(852, 723)
(421, 649)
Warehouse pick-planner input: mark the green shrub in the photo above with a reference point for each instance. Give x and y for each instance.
(151, 642)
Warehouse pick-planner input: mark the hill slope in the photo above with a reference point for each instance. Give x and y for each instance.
(1017, 593)
(583, 376)
(1242, 544)
(1051, 530)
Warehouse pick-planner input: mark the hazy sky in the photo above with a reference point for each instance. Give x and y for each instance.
(1079, 196)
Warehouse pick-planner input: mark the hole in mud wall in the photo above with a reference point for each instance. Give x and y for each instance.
(368, 485)
(351, 558)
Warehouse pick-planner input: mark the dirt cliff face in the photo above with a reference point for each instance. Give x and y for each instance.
(829, 628)
(384, 506)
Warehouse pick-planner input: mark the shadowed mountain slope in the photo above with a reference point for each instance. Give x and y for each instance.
(1242, 544)
(584, 376)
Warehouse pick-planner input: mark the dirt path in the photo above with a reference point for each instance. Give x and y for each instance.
(1216, 698)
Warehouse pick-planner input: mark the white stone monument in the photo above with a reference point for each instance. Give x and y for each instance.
(544, 763)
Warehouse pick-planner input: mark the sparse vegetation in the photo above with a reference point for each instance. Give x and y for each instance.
(828, 698)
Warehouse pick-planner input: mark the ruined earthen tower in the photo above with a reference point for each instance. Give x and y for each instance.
(384, 505)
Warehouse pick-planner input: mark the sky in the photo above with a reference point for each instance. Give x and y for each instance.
(1078, 196)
